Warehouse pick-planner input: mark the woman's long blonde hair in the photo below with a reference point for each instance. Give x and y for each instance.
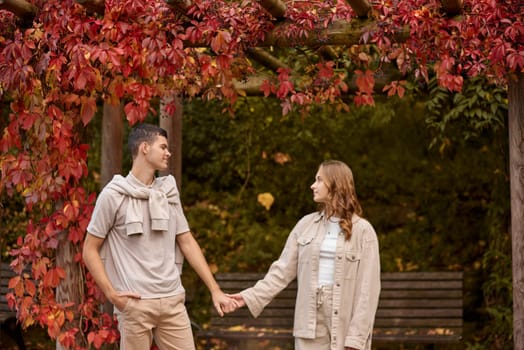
(343, 202)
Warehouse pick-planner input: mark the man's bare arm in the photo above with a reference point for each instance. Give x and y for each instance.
(193, 254)
(93, 261)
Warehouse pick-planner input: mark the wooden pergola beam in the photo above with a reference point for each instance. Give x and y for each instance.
(27, 11)
(181, 5)
(276, 8)
(265, 58)
(328, 52)
(96, 6)
(337, 33)
(251, 85)
(361, 7)
(452, 7)
(21, 8)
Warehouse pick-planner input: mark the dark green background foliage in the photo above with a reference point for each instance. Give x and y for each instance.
(431, 173)
(438, 199)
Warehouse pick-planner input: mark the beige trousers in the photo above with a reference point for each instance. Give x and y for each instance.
(164, 319)
(323, 332)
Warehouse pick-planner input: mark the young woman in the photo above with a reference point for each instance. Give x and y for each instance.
(334, 255)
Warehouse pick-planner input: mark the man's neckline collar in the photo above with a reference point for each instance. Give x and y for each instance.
(133, 180)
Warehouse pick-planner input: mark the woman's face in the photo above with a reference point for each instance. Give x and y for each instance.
(320, 189)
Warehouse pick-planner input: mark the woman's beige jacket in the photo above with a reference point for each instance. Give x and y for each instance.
(356, 285)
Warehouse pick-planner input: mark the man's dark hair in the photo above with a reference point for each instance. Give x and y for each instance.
(143, 132)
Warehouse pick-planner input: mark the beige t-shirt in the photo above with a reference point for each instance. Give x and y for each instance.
(144, 263)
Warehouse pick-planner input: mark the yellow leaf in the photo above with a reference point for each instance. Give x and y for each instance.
(28, 321)
(266, 199)
(282, 158)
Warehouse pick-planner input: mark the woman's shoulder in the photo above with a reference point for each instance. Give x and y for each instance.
(360, 221)
(311, 217)
(363, 226)
(307, 221)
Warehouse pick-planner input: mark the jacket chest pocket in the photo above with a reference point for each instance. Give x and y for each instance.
(351, 264)
(304, 249)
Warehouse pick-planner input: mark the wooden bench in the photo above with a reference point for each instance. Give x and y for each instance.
(414, 308)
(8, 321)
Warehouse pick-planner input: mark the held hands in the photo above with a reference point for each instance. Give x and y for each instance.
(227, 303)
(238, 298)
(224, 303)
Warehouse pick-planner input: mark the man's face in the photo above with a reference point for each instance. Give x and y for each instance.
(158, 153)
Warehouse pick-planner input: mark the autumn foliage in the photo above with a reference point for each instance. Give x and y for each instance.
(55, 72)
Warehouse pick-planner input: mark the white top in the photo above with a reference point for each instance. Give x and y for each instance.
(326, 263)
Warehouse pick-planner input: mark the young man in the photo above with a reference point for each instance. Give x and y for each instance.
(134, 248)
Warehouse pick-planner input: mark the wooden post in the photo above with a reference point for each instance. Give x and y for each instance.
(516, 172)
(111, 161)
(71, 288)
(112, 139)
(173, 125)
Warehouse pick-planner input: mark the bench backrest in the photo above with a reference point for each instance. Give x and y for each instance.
(413, 306)
(5, 275)
(420, 307)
